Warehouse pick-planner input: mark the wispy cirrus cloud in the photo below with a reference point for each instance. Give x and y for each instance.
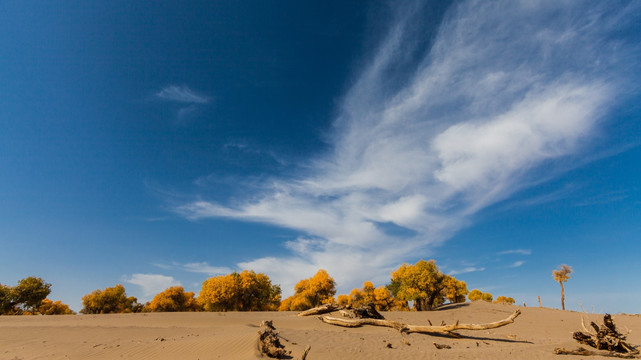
(151, 284)
(182, 94)
(516, 251)
(189, 100)
(466, 270)
(205, 268)
(505, 88)
(197, 267)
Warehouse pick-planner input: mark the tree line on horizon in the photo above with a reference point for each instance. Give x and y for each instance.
(420, 287)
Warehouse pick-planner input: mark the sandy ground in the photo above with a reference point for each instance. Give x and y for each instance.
(533, 335)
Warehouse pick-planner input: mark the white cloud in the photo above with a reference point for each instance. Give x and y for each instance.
(517, 264)
(152, 284)
(205, 268)
(506, 88)
(181, 94)
(466, 270)
(516, 251)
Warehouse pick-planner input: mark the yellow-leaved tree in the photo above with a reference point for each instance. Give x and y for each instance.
(426, 285)
(246, 291)
(173, 299)
(110, 300)
(49, 307)
(380, 297)
(312, 292)
(504, 300)
(477, 294)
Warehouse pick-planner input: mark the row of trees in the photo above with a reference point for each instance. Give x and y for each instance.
(421, 286)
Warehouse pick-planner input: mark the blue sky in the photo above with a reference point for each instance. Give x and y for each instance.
(159, 143)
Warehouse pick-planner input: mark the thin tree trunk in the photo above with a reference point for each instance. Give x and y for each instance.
(562, 296)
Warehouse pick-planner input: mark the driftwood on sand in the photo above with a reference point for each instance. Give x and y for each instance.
(323, 309)
(585, 352)
(367, 311)
(423, 329)
(269, 342)
(605, 338)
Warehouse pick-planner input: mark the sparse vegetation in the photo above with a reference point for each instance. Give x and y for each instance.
(562, 274)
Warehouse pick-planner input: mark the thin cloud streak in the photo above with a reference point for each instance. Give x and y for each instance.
(516, 251)
(466, 270)
(205, 268)
(181, 94)
(506, 88)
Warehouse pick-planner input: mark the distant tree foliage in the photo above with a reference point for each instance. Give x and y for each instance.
(426, 285)
(504, 300)
(110, 300)
(6, 300)
(246, 291)
(312, 292)
(30, 292)
(173, 299)
(49, 307)
(562, 274)
(25, 298)
(476, 295)
(380, 297)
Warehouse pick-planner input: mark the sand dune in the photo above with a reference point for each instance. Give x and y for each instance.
(232, 335)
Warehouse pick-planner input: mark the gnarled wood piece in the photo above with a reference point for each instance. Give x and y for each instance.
(323, 309)
(423, 329)
(268, 341)
(605, 337)
(367, 311)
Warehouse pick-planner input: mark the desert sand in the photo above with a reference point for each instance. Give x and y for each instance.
(233, 335)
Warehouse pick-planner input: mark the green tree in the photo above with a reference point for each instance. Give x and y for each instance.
(30, 292)
(109, 300)
(562, 274)
(426, 285)
(7, 303)
(308, 293)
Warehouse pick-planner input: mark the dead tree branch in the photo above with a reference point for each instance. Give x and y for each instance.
(423, 329)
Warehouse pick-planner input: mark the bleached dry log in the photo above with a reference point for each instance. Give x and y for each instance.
(585, 352)
(360, 322)
(305, 352)
(323, 309)
(423, 329)
(426, 329)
